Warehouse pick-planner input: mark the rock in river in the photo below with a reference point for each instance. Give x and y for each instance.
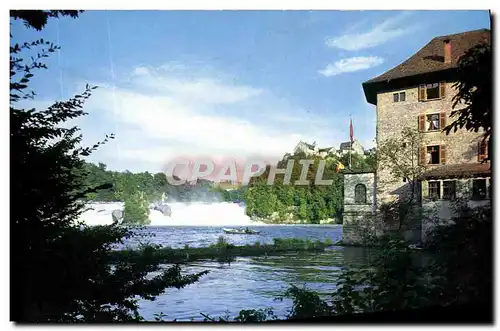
(164, 209)
(117, 215)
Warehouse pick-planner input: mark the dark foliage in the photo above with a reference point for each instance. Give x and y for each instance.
(126, 184)
(464, 254)
(37, 19)
(288, 203)
(474, 100)
(61, 269)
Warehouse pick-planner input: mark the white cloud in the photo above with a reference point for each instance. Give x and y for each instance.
(173, 79)
(159, 115)
(351, 65)
(379, 34)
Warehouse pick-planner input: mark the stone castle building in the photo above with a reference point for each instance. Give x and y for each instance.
(356, 148)
(314, 150)
(418, 94)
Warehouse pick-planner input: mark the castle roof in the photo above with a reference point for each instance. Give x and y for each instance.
(428, 59)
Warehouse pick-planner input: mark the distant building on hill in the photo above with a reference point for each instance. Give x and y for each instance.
(306, 148)
(357, 148)
(314, 150)
(228, 185)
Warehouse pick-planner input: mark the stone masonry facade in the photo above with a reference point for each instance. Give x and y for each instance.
(418, 94)
(461, 146)
(358, 214)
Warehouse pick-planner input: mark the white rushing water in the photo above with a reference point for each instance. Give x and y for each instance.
(187, 214)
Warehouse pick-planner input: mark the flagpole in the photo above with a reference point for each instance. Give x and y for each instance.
(350, 139)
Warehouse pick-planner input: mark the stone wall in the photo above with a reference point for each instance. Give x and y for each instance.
(392, 116)
(359, 219)
(442, 211)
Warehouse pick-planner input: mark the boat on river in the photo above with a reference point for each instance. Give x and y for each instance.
(240, 231)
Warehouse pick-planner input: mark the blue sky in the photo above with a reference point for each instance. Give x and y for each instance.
(228, 83)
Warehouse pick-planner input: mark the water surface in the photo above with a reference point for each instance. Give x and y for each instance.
(249, 282)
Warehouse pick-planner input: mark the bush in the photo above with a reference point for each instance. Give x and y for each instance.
(464, 257)
(136, 210)
(63, 270)
(306, 304)
(255, 315)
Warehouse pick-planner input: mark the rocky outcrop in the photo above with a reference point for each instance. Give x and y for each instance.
(117, 215)
(164, 209)
(328, 221)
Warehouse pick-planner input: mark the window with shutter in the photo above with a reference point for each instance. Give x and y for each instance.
(432, 122)
(421, 123)
(442, 120)
(480, 156)
(432, 91)
(423, 155)
(442, 89)
(421, 93)
(433, 154)
(442, 154)
(482, 150)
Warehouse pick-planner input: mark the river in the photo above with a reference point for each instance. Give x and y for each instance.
(245, 283)
(250, 282)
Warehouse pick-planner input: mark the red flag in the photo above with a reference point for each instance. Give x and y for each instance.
(351, 132)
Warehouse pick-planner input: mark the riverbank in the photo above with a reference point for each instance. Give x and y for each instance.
(222, 250)
(275, 218)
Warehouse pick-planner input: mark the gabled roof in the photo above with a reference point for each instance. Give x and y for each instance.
(303, 143)
(430, 58)
(346, 145)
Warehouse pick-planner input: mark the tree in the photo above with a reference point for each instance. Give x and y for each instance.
(98, 175)
(400, 155)
(366, 162)
(160, 181)
(472, 105)
(61, 269)
(136, 211)
(309, 203)
(37, 19)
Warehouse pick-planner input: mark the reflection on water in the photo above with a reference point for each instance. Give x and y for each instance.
(195, 236)
(253, 283)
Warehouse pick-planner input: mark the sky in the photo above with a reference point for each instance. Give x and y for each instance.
(227, 84)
